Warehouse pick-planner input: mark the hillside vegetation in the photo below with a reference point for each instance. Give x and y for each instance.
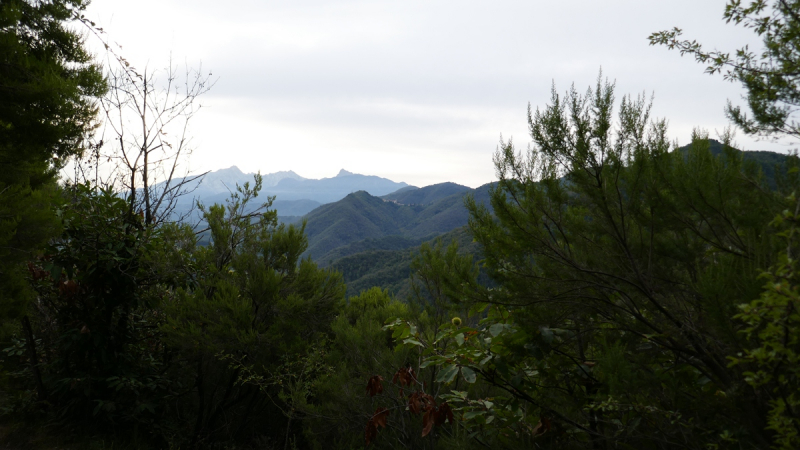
(360, 217)
(607, 291)
(426, 195)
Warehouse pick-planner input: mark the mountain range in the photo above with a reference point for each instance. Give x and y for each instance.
(294, 195)
(368, 228)
(360, 217)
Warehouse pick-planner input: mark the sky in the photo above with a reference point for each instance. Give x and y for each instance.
(414, 91)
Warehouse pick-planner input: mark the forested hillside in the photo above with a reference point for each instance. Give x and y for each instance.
(383, 259)
(609, 290)
(372, 264)
(363, 217)
(426, 195)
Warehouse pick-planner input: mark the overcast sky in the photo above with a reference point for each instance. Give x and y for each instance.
(415, 91)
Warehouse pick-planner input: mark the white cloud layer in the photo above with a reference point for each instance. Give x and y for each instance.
(415, 91)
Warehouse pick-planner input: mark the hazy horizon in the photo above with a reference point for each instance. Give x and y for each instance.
(418, 92)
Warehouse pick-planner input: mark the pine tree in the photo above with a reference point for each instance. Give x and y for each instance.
(48, 87)
(769, 77)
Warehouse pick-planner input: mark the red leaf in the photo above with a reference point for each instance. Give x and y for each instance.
(371, 432)
(421, 402)
(380, 417)
(404, 376)
(449, 415)
(542, 427)
(428, 402)
(443, 413)
(36, 272)
(414, 403)
(375, 385)
(427, 422)
(68, 288)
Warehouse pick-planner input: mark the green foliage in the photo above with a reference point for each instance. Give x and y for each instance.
(770, 77)
(616, 265)
(390, 243)
(426, 195)
(391, 269)
(359, 349)
(619, 265)
(95, 354)
(439, 275)
(459, 354)
(48, 86)
(361, 217)
(136, 329)
(296, 380)
(772, 321)
(253, 301)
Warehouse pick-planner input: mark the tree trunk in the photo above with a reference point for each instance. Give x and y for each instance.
(41, 392)
(288, 427)
(198, 425)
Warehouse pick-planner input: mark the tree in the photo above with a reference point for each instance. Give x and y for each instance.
(619, 265)
(148, 121)
(770, 77)
(49, 86)
(361, 350)
(771, 323)
(145, 135)
(252, 300)
(98, 358)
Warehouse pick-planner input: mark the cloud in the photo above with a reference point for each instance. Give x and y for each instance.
(418, 91)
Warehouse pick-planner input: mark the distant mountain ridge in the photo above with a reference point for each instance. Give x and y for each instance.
(223, 180)
(373, 243)
(424, 196)
(294, 195)
(326, 190)
(384, 223)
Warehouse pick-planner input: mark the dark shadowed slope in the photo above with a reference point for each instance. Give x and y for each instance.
(390, 269)
(356, 217)
(425, 195)
(363, 217)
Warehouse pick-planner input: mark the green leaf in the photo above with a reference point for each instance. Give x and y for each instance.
(473, 414)
(460, 339)
(412, 341)
(547, 335)
(426, 363)
(478, 308)
(447, 374)
(393, 324)
(55, 272)
(469, 375)
(497, 329)
(517, 379)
